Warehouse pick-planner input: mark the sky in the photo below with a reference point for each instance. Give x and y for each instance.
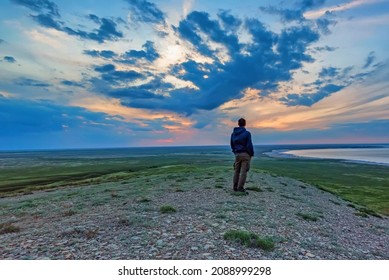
(128, 73)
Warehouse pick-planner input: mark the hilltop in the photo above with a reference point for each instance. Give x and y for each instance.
(125, 220)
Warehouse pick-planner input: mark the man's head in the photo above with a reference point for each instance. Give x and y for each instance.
(242, 122)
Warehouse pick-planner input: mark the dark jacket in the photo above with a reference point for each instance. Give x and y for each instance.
(241, 141)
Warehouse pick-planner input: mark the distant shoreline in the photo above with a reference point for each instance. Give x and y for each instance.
(376, 156)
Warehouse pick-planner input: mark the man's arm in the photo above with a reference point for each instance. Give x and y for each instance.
(250, 148)
(232, 144)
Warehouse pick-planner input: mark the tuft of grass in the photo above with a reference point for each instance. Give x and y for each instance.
(8, 228)
(167, 209)
(69, 213)
(124, 221)
(334, 202)
(254, 189)
(179, 190)
(143, 200)
(221, 216)
(250, 239)
(307, 216)
(361, 214)
(218, 186)
(365, 211)
(270, 189)
(114, 194)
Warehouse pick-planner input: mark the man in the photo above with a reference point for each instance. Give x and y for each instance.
(242, 147)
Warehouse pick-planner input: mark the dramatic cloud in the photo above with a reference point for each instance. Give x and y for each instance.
(103, 54)
(106, 32)
(41, 6)
(285, 65)
(9, 59)
(144, 11)
(262, 63)
(369, 60)
(329, 72)
(48, 16)
(149, 53)
(30, 82)
(44, 125)
(71, 83)
(310, 99)
(110, 77)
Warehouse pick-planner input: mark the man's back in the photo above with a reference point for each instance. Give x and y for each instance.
(241, 141)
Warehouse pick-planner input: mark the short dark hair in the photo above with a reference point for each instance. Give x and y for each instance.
(242, 122)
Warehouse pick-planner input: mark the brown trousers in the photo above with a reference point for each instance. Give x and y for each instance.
(241, 167)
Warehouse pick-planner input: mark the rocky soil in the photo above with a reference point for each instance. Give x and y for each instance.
(113, 221)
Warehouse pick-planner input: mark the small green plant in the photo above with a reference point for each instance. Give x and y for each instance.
(143, 200)
(69, 213)
(218, 186)
(221, 216)
(124, 221)
(307, 216)
(254, 189)
(179, 190)
(114, 194)
(91, 233)
(8, 228)
(364, 212)
(270, 189)
(167, 209)
(250, 239)
(334, 202)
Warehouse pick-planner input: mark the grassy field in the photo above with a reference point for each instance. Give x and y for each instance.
(87, 171)
(361, 184)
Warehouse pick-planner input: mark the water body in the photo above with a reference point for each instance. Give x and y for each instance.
(364, 155)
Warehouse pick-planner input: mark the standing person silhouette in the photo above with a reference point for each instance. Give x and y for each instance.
(242, 147)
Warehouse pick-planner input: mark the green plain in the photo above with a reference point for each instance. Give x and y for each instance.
(362, 184)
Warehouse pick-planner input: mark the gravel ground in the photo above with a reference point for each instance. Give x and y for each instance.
(102, 222)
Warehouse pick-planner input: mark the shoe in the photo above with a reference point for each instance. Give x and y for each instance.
(243, 191)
